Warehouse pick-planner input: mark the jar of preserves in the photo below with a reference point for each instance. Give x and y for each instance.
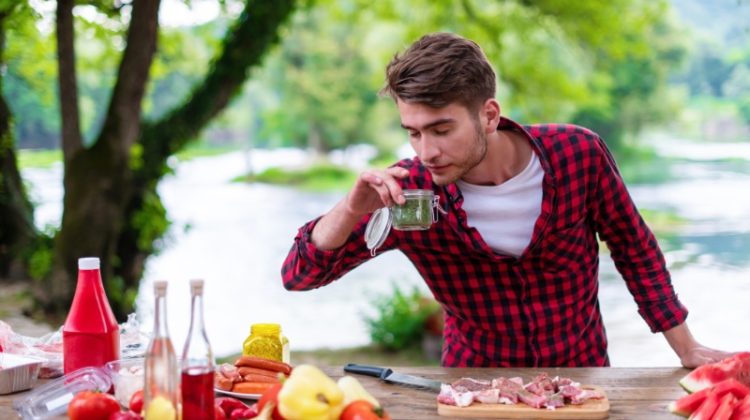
(417, 212)
(266, 341)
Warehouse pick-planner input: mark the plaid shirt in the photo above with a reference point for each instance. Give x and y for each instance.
(540, 309)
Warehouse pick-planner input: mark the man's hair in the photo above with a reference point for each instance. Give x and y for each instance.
(440, 69)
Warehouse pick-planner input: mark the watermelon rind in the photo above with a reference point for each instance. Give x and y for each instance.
(737, 366)
(686, 405)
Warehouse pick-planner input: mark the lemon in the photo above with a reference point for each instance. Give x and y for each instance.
(160, 408)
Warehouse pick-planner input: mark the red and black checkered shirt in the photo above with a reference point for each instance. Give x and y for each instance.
(540, 309)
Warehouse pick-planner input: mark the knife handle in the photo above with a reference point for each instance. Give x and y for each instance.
(376, 371)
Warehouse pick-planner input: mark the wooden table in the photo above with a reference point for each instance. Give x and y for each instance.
(634, 393)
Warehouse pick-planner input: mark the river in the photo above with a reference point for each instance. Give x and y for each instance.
(235, 236)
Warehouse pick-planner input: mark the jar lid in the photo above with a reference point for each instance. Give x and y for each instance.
(418, 193)
(378, 228)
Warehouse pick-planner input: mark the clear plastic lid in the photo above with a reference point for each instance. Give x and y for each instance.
(52, 398)
(378, 228)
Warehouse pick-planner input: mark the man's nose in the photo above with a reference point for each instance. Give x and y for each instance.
(428, 151)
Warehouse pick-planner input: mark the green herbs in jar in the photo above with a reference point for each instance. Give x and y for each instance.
(416, 213)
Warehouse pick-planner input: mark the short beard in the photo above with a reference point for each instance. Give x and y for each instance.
(480, 142)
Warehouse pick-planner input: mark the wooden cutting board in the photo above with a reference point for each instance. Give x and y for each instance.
(591, 409)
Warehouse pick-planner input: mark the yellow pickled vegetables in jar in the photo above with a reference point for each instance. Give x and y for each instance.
(266, 341)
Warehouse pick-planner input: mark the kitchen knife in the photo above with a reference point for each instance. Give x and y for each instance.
(389, 376)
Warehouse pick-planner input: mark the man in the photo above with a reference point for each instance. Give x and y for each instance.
(514, 260)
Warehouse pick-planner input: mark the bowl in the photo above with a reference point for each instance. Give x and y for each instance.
(18, 373)
(127, 377)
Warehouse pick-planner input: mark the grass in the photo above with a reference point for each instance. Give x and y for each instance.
(42, 158)
(204, 150)
(318, 177)
(37, 158)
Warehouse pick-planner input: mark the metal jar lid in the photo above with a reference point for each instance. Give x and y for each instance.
(378, 228)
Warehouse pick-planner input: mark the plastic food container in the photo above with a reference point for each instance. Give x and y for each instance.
(52, 398)
(18, 373)
(127, 377)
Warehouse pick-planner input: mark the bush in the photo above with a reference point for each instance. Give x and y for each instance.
(400, 319)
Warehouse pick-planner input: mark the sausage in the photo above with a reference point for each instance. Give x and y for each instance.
(230, 372)
(245, 370)
(252, 387)
(222, 382)
(261, 363)
(252, 377)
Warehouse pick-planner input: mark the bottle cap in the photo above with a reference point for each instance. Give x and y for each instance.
(88, 263)
(196, 286)
(160, 287)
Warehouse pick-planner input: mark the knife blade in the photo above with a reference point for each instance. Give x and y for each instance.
(389, 376)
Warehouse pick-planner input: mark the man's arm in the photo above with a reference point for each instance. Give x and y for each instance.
(373, 190)
(691, 353)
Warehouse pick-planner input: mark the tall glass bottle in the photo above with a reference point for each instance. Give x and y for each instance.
(91, 336)
(197, 381)
(160, 393)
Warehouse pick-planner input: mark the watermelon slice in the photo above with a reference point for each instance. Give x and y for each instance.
(737, 367)
(707, 409)
(742, 410)
(690, 403)
(726, 407)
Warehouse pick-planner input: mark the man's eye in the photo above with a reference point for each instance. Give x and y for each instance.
(441, 132)
(413, 133)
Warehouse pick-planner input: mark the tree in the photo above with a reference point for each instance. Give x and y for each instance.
(324, 86)
(17, 229)
(111, 208)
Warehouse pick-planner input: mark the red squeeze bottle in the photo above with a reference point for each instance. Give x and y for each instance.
(91, 336)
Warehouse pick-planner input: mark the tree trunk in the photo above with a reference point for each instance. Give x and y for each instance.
(107, 197)
(255, 31)
(16, 213)
(98, 180)
(72, 142)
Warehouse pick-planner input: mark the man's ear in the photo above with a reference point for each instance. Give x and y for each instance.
(490, 115)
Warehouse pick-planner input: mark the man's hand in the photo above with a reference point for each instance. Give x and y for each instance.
(702, 355)
(373, 189)
(691, 353)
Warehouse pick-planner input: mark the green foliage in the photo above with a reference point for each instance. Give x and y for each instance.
(150, 222)
(318, 177)
(322, 79)
(29, 77)
(400, 319)
(40, 253)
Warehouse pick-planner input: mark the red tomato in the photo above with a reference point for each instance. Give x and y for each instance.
(89, 405)
(219, 413)
(125, 415)
(363, 410)
(271, 395)
(136, 402)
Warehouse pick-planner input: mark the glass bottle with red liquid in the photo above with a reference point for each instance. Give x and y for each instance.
(197, 381)
(91, 336)
(160, 389)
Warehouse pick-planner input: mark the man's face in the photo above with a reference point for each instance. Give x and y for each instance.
(447, 140)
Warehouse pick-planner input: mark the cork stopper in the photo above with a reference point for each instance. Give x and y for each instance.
(196, 287)
(160, 288)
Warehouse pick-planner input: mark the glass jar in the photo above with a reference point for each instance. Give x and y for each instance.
(266, 341)
(417, 213)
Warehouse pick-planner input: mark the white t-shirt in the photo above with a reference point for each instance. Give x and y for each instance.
(505, 214)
